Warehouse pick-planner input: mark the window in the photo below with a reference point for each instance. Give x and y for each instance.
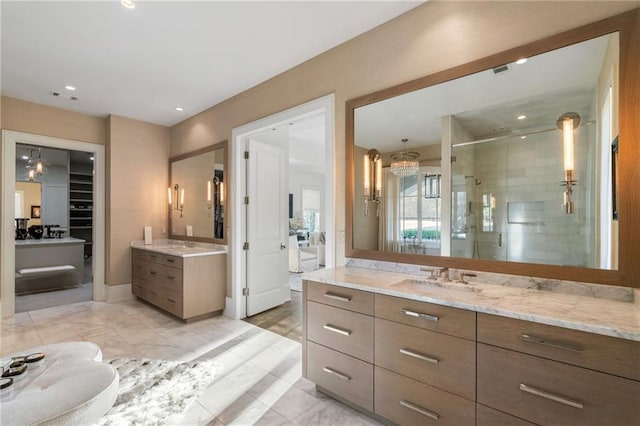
(420, 207)
(311, 209)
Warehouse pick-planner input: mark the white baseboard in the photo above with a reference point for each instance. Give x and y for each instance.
(229, 310)
(118, 293)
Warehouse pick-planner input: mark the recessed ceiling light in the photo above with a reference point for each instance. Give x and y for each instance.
(179, 109)
(521, 61)
(128, 4)
(25, 157)
(523, 137)
(69, 87)
(522, 117)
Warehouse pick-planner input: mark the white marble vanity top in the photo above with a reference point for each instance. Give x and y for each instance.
(49, 241)
(180, 248)
(594, 315)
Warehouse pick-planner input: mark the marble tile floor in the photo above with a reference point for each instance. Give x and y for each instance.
(285, 320)
(259, 382)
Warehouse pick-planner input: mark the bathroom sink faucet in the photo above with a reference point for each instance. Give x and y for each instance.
(444, 273)
(432, 272)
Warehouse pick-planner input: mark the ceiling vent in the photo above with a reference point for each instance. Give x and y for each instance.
(501, 69)
(63, 95)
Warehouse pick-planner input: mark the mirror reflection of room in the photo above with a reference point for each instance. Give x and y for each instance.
(512, 163)
(53, 226)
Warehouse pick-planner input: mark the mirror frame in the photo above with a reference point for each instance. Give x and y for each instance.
(220, 145)
(628, 272)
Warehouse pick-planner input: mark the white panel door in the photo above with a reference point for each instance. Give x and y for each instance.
(267, 227)
(55, 205)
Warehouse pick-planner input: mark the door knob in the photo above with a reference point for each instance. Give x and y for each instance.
(283, 246)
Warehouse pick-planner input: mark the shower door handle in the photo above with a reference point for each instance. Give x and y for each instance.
(500, 239)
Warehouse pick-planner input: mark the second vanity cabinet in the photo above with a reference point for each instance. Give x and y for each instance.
(412, 362)
(187, 287)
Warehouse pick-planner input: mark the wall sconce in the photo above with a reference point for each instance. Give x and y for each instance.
(179, 195)
(567, 123)
(215, 186)
(372, 180)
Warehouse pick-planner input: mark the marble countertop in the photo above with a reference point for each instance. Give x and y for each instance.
(49, 241)
(593, 315)
(180, 248)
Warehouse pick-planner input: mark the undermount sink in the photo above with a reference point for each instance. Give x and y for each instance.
(413, 284)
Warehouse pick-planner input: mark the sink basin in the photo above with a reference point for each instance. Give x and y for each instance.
(417, 285)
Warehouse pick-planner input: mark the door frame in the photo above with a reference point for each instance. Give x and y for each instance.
(235, 306)
(7, 244)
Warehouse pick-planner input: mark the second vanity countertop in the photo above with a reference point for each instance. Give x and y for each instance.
(593, 315)
(179, 248)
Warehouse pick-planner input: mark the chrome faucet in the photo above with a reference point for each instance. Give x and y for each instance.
(465, 274)
(432, 271)
(444, 273)
(190, 243)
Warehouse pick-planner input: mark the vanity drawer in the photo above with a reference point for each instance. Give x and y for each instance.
(407, 401)
(139, 267)
(137, 254)
(486, 416)
(171, 301)
(609, 354)
(553, 393)
(341, 297)
(165, 276)
(341, 374)
(174, 261)
(138, 286)
(345, 331)
(443, 319)
(152, 256)
(152, 293)
(442, 361)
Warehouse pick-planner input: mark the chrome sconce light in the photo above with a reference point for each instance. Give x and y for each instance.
(176, 193)
(215, 191)
(372, 180)
(567, 123)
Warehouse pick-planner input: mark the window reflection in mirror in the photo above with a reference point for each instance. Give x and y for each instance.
(503, 174)
(198, 208)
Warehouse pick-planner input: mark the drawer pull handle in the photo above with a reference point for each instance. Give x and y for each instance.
(419, 409)
(540, 341)
(419, 356)
(336, 297)
(337, 330)
(171, 301)
(171, 261)
(153, 292)
(153, 257)
(138, 287)
(153, 272)
(336, 373)
(547, 395)
(420, 315)
(171, 277)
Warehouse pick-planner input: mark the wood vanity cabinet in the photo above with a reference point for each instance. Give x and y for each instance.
(412, 362)
(187, 287)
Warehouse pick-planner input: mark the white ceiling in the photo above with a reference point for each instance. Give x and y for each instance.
(488, 104)
(142, 63)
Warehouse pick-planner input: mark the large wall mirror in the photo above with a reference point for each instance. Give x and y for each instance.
(507, 164)
(197, 195)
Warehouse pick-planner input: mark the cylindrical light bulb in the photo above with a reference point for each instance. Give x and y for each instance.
(209, 191)
(182, 198)
(39, 168)
(169, 196)
(379, 176)
(367, 176)
(567, 137)
(221, 193)
(32, 175)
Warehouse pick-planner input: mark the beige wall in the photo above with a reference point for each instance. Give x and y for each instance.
(138, 175)
(23, 116)
(32, 197)
(432, 37)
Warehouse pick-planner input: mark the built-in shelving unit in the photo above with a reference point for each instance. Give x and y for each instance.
(81, 205)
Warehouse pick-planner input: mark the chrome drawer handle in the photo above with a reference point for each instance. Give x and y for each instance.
(420, 315)
(547, 395)
(336, 373)
(171, 277)
(138, 287)
(170, 260)
(337, 330)
(171, 301)
(419, 409)
(419, 356)
(153, 272)
(153, 292)
(336, 297)
(541, 341)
